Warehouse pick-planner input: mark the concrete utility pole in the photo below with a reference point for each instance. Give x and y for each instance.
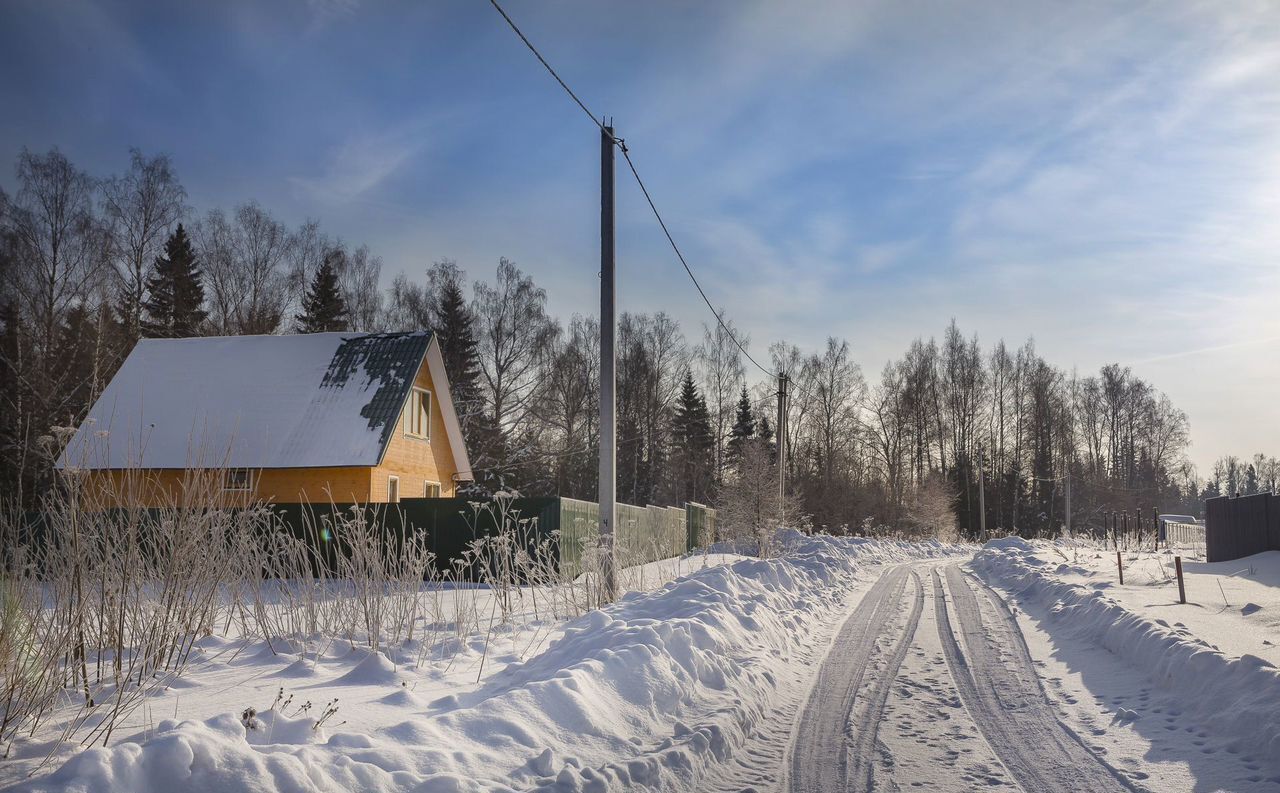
(782, 445)
(982, 495)
(1068, 503)
(608, 372)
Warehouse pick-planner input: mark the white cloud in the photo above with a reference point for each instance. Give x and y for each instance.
(363, 162)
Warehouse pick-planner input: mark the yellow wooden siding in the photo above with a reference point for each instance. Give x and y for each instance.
(165, 487)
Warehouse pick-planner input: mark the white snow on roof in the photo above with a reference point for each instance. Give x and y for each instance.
(248, 401)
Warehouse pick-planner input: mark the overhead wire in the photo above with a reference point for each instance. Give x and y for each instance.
(643, 189)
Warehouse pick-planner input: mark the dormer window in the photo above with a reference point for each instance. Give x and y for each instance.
(417, 414)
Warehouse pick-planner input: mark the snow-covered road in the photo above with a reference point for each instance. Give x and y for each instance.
(984, 723)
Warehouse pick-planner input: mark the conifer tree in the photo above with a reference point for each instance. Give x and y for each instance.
(692, 444)
(453, 323)
(744, 426)
(323, 309)
(765, 435)
(175, 291)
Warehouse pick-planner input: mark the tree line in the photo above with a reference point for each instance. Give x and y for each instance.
(90, 265)
(1243, 476)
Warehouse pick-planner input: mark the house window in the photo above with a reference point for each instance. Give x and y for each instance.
(393, 490)
(417, 414)
(431, 490)
(238, 479)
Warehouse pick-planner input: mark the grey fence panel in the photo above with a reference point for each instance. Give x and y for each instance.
(1273, 523)
(1238, 526)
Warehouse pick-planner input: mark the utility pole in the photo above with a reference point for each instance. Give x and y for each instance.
(608, 372)
(1068, 503)
(982, 495)
(782, 445)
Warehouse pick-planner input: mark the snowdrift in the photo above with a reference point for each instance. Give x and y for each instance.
(651, 692)
(1237, 697)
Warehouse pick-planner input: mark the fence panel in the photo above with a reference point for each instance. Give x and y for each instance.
(1237, 526)
(1184, 535)
(701, 523)
(1273, 523)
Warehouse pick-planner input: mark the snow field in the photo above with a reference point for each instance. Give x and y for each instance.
(658, 690)
(1212, 695)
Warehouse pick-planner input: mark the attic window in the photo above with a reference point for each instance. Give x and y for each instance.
(238, 479)
(417, 414)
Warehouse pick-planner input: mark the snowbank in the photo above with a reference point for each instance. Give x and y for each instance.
(652, 691)
(1235, 696)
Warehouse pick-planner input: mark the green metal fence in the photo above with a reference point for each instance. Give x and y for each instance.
(450, 525)
(700, 521)
(644, 534)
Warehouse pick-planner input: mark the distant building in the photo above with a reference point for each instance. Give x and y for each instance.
(347, 417)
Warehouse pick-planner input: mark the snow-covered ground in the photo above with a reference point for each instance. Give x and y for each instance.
(1181, 696)
(839, 665)
(1234, 606)
(666, 689)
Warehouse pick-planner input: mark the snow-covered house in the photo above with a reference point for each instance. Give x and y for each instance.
(347, 417)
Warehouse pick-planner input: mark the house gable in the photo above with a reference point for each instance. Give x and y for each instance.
(439, 458)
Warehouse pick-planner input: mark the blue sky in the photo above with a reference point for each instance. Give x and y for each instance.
(1102, 176)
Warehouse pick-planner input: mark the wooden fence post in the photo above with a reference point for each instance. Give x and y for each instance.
(1155, 521)
(1182, 590)
(1120, 567)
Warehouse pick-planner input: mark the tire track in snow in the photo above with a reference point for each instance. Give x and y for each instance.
(927, 740)
(868, 710)
(1002, 692)
(830, 747)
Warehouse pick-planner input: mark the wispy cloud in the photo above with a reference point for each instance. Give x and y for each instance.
(362, 163)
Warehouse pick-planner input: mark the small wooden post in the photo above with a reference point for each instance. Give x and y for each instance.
(1120, 567)
(1182, 590)
(1155, 522)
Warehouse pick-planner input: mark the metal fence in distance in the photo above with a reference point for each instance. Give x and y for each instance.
(1238, 526)
(1184, 535)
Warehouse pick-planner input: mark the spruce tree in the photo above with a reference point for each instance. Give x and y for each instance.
(692, 444)
(765, 432)
(744, 426)
(765, 435)
(323, 309)
(175, 291)
(453, 323)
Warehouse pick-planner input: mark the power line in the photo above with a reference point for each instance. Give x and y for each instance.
(645, 190)
(552, 71)
(658, 216)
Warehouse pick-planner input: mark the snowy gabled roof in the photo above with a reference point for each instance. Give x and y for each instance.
(321, 399)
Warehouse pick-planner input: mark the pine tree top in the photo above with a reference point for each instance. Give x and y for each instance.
(323, 308)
